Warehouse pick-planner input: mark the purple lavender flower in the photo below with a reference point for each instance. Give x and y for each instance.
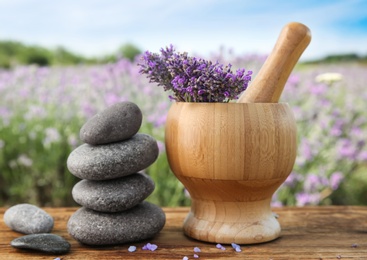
(192, 79)
(306, 149)
(363, 156)
(347, 149)
(304, 198)
(293, 179)
(312, 182)
(335, 180)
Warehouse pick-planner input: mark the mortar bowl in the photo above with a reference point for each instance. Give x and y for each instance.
(231, 157)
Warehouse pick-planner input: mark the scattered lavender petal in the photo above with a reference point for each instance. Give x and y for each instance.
(196, 256)
(149, 246)
(197, 250)
(153, 247)
(219, 246)
(236, 247)
(132, 248)
(185, 258)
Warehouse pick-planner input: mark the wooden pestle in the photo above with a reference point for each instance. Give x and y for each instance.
(269, 82)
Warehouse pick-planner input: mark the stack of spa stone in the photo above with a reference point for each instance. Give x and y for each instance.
(113, 189)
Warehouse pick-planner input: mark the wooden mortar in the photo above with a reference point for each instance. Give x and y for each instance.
(232, 157)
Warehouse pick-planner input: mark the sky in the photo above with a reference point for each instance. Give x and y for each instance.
(99, 27)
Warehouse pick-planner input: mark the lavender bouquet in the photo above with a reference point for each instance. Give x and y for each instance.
(192, 79)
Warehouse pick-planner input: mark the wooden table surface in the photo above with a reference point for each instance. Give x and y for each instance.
(336, 232)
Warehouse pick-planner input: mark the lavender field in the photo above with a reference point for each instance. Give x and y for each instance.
(43, 108)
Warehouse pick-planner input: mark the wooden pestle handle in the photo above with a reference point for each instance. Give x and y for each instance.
(269, 82)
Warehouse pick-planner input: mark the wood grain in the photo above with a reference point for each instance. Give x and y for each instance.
(269, 82)
(307, 233)
(231, 158)
(231, 141)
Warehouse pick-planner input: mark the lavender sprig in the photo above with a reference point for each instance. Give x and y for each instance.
(192, 79)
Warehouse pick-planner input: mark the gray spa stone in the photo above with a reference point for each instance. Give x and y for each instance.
(97, 228)
(48, 243)
(113, 195)
(28, 219)
(110, 161)
(116, 123)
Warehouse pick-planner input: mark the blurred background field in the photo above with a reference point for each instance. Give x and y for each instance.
(63, 61)
(44, 104)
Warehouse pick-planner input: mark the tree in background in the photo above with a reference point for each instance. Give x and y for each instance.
(129, 51)
(14, 53)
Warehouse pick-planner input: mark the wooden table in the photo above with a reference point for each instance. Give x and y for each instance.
(337, 232)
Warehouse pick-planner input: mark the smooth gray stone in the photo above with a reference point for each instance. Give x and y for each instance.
(110, 161)
(28, 219)
(116, 123)
(48, 243)
(97, 228)
(113, 195)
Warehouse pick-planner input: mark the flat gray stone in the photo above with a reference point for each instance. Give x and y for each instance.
(116, 123)
(110, 161)
(113, 195)
(48, 243)
(28, 219)
(96, 228)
